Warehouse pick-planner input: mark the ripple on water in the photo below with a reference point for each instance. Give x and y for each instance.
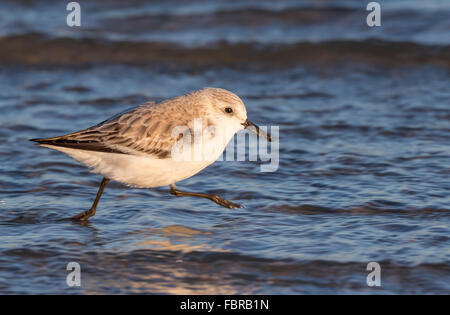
(364, 151)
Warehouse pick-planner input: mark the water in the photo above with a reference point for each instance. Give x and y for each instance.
(364, 148)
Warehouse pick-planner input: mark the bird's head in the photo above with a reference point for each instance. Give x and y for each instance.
(230, 111)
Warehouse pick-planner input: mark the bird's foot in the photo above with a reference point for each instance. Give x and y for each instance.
(83, 216)
(224, 203)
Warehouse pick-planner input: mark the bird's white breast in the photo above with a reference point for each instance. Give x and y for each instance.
(146, 171)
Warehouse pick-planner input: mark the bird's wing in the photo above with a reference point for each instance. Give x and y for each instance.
(144, 130)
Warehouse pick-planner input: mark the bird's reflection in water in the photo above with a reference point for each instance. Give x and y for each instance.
(166, 260)
(175, 238)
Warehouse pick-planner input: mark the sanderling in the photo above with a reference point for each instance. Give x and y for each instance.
(136, 147)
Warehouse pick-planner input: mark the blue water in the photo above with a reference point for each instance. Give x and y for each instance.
(364, 148)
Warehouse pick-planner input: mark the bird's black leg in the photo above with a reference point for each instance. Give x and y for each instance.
(219, 200)
(83, 216)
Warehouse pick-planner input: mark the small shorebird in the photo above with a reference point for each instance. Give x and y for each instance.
(137, 147)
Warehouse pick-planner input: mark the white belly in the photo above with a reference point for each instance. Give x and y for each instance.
(140, 171)
(137, 171)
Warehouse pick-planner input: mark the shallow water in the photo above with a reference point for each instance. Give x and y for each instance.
(364, 148)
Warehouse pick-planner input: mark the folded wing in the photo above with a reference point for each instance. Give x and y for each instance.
(144, 130)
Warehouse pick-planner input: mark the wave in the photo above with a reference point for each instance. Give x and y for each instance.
(249, 17)
(172, 272)
(39, 49)
(375, 207)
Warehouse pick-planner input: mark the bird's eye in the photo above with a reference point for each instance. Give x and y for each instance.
(228, 110)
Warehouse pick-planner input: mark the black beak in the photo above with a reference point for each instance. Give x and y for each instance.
(251, 126)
